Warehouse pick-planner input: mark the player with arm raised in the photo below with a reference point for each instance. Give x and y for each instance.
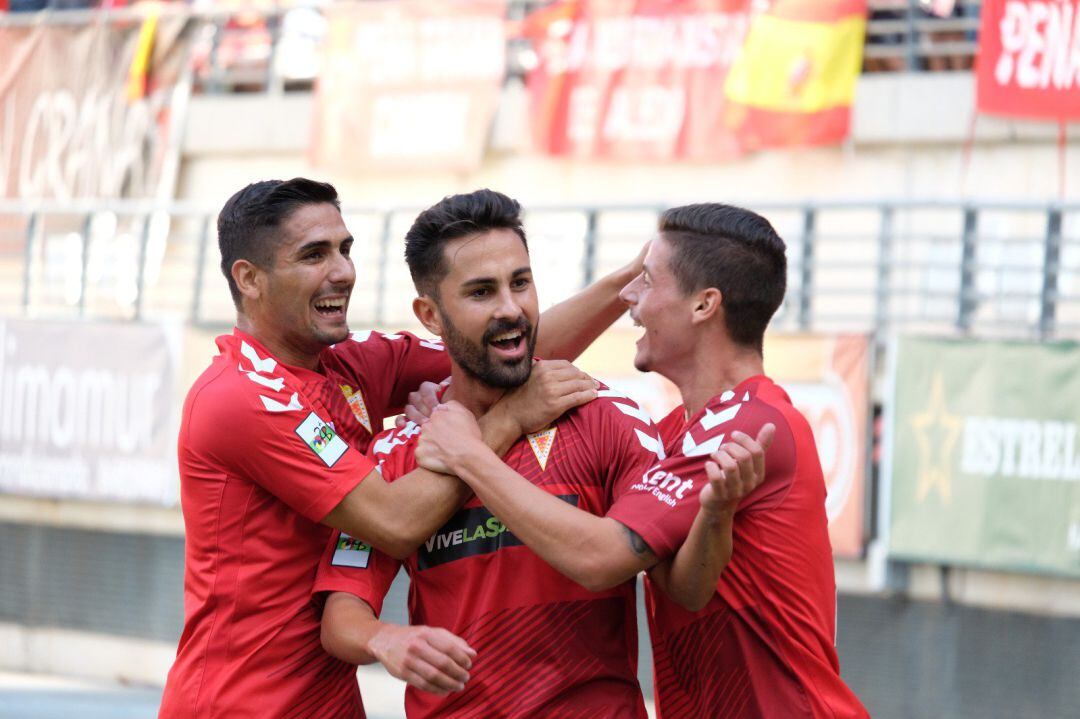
(544, 645)
(271, 454)
(762, 643)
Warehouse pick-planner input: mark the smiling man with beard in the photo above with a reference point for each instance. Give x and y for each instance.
(539, 644)
(758, 642)
(271, 457)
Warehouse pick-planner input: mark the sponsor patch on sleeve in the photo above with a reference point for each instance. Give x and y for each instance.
(351, 552)
(322, 439)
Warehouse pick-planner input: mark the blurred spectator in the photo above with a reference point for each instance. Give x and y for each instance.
(946, 12)
(886, 30)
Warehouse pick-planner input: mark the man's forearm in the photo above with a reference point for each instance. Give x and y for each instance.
(348, 626)
(568, 328)
(690, 577)
(397, 517)
(590, 550)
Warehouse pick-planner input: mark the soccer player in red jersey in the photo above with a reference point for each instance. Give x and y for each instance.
(271, 455)
(544, 645)
(761, 644)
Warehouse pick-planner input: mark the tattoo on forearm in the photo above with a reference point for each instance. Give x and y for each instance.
(637, 544)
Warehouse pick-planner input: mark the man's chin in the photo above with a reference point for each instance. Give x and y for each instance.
(331, 336)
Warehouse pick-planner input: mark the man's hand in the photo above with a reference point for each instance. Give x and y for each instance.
(428, 658)
(422, 402)
(554, 387)
(735, 470)
(449, 433)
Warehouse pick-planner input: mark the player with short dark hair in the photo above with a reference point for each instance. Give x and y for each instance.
(271, 454)
(730, 248)
(762, 643)
(250, 222)
(544, 645)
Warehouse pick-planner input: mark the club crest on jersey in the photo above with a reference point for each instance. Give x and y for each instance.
(541, 443)
(356, 404)
(322, 439)
(351, 552)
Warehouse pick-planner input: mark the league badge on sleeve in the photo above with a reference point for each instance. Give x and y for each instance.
(351, 552)
(322, 439)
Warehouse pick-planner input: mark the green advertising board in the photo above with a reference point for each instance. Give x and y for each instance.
(983, 454)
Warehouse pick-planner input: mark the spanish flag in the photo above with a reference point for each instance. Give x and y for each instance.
(793, 83)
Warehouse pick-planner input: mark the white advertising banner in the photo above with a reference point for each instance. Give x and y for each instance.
(88, 410)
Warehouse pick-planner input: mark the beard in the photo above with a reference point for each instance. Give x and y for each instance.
(477, 361)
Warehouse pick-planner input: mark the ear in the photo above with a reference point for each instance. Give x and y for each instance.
(707, 304)
(427, 312)
(248, 278)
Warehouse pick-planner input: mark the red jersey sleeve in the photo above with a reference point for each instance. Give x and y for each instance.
(290, 450)
(390, 366)
(624, 438)
(352, 566)
(661, 503)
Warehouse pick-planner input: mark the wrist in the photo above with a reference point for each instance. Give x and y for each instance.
(378, 640)
(621, 277)
(500, 428)
(471, 467)
(718, 517)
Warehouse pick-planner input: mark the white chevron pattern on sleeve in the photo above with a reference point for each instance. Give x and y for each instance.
(272, 405)
(690, 448)
(713, 419)
(653, 444)
(258, 363)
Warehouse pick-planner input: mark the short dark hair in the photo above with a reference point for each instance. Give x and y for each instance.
(449, 219)
(736, 251)
(248, 223)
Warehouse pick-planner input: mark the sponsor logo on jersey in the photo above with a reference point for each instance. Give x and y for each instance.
(469, 533)
(322, 439)
(351, 552)
(356, 404)
(541, 443)
(667, 487)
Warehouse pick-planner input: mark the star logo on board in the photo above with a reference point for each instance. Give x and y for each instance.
(936, 433)
(541, 443)
(356, 404)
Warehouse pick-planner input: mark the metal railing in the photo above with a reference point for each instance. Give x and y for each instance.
(974, 268)
(275, 49)
(903, 36)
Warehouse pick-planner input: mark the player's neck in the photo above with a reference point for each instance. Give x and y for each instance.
(279, 348)
(716, 368)
(471, 392)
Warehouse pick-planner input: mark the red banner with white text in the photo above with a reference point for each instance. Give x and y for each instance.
(1029, 59)
(696, 80)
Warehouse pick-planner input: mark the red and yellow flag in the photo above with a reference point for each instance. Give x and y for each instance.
(692, 80)
(794, 81)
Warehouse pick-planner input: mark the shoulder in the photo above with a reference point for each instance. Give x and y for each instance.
(616, 415)
(365, 345)
(393, 450)
(745, 409)
(244, 396)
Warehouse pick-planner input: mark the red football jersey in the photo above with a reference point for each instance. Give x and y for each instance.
(265, 452)
(764, 645)
(546, 647)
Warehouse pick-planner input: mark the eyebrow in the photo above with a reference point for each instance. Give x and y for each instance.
(491, 280)
(320, 244)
